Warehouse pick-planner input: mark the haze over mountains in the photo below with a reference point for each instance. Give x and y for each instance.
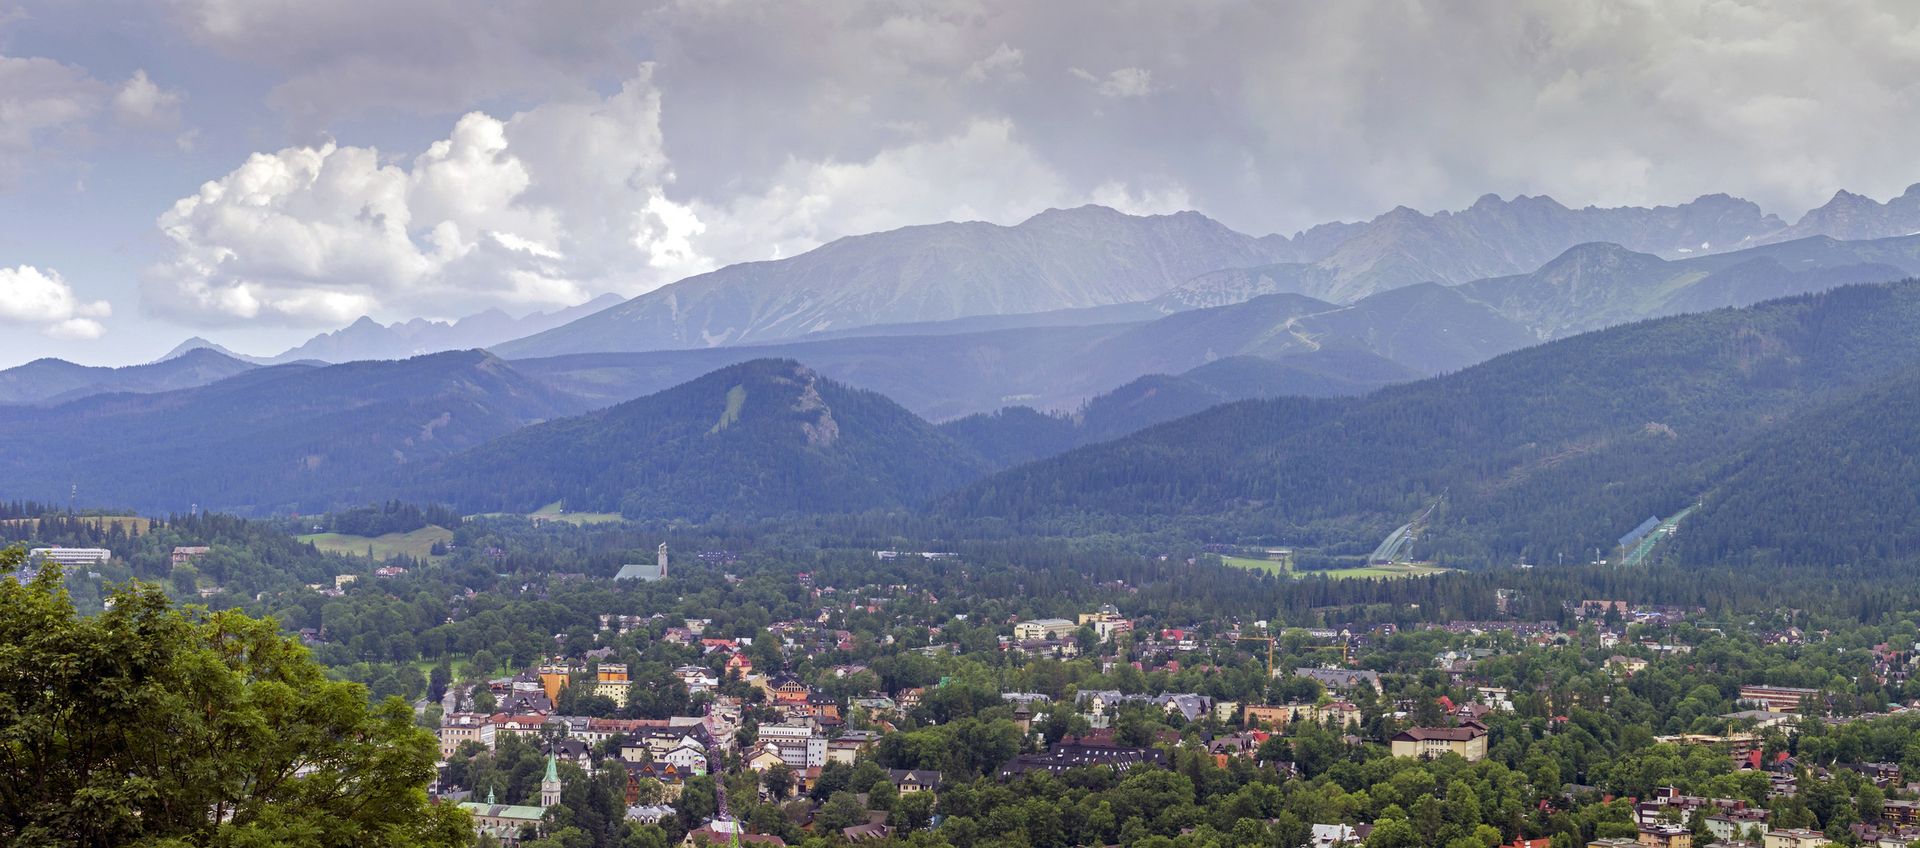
(1115, 370)
(1541, 453)
(1093, 256)
(1095, 265)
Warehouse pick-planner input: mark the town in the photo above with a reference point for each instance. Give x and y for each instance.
(1034, 696)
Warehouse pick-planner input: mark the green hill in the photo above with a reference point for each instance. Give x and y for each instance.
(1837, 483)
(1550, 451)
(767, 437)
(281, 439)
(1021, 434)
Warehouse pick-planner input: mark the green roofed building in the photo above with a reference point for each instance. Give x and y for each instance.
(506, 822)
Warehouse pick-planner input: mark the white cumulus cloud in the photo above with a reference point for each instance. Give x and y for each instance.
(552, 206)
(544, 208)
(32, 297)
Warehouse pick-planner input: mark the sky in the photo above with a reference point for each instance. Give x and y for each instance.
(257, 171)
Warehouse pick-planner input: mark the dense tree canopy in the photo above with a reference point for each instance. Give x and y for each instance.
(155, 725)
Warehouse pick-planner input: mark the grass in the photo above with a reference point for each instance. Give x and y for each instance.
(553, 512)
(417, 544)
(736, 398)
(1285, 568)
(1271, 566)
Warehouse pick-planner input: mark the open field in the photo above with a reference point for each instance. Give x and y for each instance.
(137, 523)
(552, 512)
(1406, 569)
(417, 544)
(1286, 569)
(1270, 566)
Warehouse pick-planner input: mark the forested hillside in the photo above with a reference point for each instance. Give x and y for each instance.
(1837, 483)
(767, 437)
(1547, 452)
(285, 439)
(56, 380)
(1022, 434)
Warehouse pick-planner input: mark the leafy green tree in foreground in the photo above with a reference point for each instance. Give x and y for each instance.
(154, 726)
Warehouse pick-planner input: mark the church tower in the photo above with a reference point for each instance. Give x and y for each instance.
(663, 560)
(550, 785)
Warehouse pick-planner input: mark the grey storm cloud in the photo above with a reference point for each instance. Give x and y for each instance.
(1270, 115)
(554, 149)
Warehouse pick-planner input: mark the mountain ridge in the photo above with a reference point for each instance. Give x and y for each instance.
(763, 437)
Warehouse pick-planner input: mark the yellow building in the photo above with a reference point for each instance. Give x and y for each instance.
(1044, 628)
(1469, 741)
(613, 683)
(554, 678)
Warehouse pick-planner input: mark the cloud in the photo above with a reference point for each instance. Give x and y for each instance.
(141, 103)
(760, 129)
(551, 206)
(544, 208)
(1001, 64)
(40, 98)
(34, 298)
(431, 56)
(1123, 82)
(48, 108)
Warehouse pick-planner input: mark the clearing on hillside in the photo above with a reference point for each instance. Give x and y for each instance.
(417, 544)
(554, 512)
(1284, 567)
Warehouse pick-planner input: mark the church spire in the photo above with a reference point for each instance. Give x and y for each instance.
(550, 785)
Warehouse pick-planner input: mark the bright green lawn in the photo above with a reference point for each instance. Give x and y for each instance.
(1271, 566)
(417, 544)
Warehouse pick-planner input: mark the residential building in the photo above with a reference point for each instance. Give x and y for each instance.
(610, 681)
(1044, 628)
(1468, 740)
(697, 679)
(1785, 699)
(1798, 837)
(1336, 835)
(797, 745)
(914, 780)
(70, 556)
(553, 678)
(1341, 679)
(456, 728)
(183, 554)
(1665, 836)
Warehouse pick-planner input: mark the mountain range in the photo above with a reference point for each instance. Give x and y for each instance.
(1550, 451)
(1059, 259)
(1056, 361)
(1770, 419)
(1094, 256)
(56, 380)
(369, 339)
(285, 438)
